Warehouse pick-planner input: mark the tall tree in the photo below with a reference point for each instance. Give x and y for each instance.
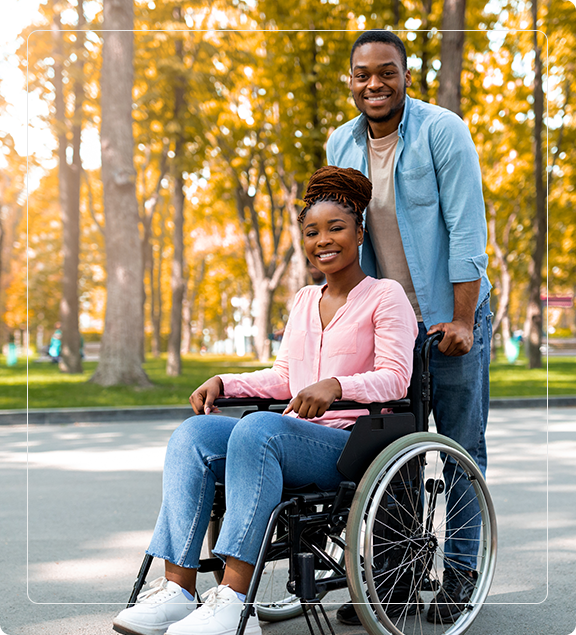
(503, 281)
(69, 184)
(120, 353)
(177, 283)
(424, 35)
(534, 321)
(451, 55)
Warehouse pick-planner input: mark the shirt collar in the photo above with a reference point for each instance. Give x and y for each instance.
(353, 292)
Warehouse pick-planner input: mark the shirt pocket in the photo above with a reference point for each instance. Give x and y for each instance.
(341, 340)
(421, 186)
(297, 345)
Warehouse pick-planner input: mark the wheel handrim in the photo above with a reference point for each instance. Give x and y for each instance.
(365, 585)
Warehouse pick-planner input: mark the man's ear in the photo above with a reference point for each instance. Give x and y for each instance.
(350, 80)
(408, 78)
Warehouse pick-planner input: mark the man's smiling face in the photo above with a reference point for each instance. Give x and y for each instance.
(378, 83)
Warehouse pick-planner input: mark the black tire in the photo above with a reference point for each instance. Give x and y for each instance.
(394, 525)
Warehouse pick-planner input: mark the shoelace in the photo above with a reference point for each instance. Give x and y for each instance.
(211, 599)
(156, 593)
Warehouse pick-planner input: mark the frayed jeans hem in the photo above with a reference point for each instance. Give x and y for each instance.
(167, 559)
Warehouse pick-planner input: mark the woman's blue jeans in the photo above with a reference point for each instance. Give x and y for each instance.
(255, 457)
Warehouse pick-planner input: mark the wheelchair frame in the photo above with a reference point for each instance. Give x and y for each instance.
(306, 521)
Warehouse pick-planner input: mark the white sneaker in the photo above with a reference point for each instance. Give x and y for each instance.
(156, 609)
(219, 615)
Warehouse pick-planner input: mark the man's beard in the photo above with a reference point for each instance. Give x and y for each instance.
(389, 115)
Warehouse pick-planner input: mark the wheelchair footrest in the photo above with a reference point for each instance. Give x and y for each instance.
(207, 565)
(313, 606)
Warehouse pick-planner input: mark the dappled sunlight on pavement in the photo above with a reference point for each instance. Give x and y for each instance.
(94, 492)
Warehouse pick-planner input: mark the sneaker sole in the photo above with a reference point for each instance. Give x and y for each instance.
(125, 630)
(253, 630)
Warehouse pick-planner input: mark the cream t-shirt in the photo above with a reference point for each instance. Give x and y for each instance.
(381, 220)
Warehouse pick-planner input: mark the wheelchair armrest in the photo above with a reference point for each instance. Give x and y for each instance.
(259, 402)
(265, 404)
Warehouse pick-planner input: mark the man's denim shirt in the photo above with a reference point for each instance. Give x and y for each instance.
(439, 202)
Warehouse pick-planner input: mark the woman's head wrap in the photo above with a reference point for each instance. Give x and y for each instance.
(346, 186)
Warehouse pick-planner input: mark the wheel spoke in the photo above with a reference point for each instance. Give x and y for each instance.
(403, 530)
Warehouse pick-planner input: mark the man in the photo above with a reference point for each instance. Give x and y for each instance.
(426, 228)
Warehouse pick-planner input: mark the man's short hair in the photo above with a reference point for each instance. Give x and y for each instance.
(386, 37)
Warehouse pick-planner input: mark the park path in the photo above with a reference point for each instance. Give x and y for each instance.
(94, 492)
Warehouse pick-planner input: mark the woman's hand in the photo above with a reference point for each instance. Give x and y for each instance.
(314, 400)
(202, 399)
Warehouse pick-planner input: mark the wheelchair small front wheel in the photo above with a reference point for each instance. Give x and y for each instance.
(421, 507)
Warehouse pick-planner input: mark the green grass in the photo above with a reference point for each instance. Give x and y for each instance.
(48, 388)
(517, 380)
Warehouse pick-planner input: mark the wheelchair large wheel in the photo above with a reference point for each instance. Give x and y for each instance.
(273, 602)
(400, 537)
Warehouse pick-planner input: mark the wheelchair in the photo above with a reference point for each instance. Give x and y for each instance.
(383, 533)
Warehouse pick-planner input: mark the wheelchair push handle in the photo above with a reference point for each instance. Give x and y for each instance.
(427, 346)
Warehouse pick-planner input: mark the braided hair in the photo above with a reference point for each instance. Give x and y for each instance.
(346, 186)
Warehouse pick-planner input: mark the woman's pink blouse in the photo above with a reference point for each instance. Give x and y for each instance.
(367, 347)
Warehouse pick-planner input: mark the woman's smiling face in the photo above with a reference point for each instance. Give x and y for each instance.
(331, 237)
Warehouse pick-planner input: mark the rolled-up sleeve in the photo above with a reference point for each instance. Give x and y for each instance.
(461, 199)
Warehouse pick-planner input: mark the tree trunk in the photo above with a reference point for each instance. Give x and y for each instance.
(425, 56)
(396, 13)
(3, 334)
(186, 342)
(298, 269)
(262, 310)
(156, 297)
(451, 55)
(70, 360)
(174, 363)
(146, 219)
(265, 278)
(501, 253)
(534, 321)
(120, 353)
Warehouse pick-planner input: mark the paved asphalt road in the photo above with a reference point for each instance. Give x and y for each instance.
(92, 492)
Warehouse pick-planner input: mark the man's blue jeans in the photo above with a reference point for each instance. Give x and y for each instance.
(255, 457)
(460, 402)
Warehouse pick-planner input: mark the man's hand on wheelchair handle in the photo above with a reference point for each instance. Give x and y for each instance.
(202, 399)
(459, 334)
(314, 400)
(458, 337)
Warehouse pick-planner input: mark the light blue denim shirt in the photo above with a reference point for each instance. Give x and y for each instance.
(439, 202)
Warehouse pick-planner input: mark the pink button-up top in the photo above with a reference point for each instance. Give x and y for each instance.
(367, 347)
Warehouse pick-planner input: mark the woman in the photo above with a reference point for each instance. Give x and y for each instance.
(349, 339)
